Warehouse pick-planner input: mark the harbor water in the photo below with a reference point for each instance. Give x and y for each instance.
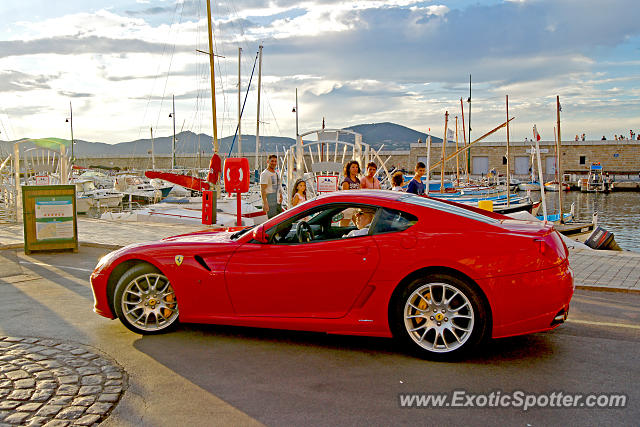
(618, 212)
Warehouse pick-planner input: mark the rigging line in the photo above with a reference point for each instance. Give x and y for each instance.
(274, 116)
(146, 109)
(4, 130)
(246, 95)
(173, 50)
(221, 80)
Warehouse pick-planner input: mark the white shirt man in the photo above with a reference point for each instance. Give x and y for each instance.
(362, 219)
(270, 188)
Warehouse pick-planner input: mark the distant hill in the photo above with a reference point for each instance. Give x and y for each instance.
(391, 135)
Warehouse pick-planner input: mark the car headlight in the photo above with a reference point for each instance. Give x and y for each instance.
(106, 260)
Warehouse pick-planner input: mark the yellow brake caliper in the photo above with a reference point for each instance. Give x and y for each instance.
(422, 305)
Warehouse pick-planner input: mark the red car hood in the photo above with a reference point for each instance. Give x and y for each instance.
(201, 237)
(215, 241)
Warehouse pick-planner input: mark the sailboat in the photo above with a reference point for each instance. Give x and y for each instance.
(189, 210)
(556, 185)
(532, 185)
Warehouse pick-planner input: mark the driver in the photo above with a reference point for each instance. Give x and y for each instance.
(362, 218)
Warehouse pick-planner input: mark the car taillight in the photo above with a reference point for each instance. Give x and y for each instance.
(552, 248)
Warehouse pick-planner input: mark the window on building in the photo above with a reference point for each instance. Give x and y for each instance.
(583, 160)
(504, 160)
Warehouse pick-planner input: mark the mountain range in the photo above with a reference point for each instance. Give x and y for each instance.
(390, 135)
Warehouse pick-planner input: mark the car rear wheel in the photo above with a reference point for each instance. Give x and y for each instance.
(440, 317)
(145, 301)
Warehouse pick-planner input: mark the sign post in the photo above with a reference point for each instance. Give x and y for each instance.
(236, 180)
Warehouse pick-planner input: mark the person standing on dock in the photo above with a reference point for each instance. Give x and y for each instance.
(350, 182)
(270, 188)
(369, 180)
(415, 185)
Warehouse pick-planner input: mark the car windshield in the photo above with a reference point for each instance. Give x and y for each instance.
(237, 234)
(445, 207)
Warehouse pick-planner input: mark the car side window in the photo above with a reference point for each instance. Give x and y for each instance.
(391, 220)
(319, 224)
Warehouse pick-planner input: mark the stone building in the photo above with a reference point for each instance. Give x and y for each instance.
(618, 157)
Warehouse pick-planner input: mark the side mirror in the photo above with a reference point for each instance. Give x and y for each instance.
(259, 235)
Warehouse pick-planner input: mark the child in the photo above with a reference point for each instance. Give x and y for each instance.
(299, 193)
(369, 180)
(415, 185)
(397, 180)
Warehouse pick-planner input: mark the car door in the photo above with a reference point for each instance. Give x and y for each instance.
(313, 279)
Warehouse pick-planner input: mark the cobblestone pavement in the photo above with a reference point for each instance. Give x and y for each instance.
(47, 382)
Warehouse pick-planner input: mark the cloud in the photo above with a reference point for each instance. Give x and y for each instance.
(353, 61)
(16, 81)
(68, 94)
(70, 45)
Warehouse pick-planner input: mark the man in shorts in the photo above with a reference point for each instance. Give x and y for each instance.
(271, 188)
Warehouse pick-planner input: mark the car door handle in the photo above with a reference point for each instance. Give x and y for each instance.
(362, 250)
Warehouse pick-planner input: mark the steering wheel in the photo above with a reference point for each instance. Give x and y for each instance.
(304, 232)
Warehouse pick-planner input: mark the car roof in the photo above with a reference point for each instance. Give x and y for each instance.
(350, 195)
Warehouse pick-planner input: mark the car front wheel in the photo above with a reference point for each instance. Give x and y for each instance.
(145, 301)
(440, 317)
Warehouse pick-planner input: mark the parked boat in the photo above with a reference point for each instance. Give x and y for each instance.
(529, 186)
(137, 190)
(103, 198)
(188, 210)
(84, 204)
(597, 181)
(555, 186)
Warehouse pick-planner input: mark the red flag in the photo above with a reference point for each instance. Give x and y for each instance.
(536, 135)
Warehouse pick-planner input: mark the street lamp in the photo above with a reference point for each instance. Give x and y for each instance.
(70, 121)
(173, 144)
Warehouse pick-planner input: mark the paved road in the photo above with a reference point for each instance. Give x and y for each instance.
(212, 375)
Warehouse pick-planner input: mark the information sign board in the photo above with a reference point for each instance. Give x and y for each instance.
(49, 213)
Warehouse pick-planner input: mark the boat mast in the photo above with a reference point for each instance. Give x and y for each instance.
(239, 107)
(540, 176)
(469, 149)
(428, 161)
(153, 155)
(72, 140)
(213, 82)
(258, 115)
(297, 132)
(559, 168)
(464, 136)
(173, 142)
(508, 178)
(444, 145)
(457, 158)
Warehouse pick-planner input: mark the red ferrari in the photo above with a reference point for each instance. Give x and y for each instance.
(439, 276)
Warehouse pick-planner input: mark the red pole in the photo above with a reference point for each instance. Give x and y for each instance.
(239, 208)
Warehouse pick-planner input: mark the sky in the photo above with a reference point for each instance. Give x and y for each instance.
(118, 63)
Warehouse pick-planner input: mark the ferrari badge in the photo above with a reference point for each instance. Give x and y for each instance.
(179, 259)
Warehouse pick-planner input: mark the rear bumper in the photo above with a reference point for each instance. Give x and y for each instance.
(530, 302)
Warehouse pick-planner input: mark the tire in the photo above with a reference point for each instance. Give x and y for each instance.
(440, 317)
(145, 301)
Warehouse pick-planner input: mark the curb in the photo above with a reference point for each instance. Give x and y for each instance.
(604, 289)
(87, 244)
